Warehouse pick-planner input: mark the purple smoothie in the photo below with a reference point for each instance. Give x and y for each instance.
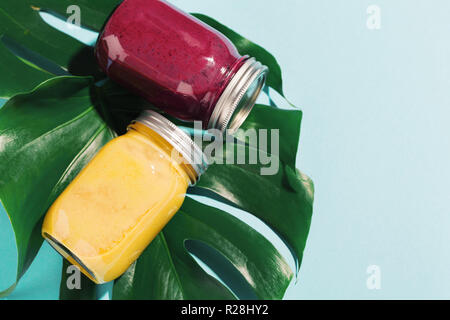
(172, 59)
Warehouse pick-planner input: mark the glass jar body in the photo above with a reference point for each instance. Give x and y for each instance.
(117, 204)
(174, 60)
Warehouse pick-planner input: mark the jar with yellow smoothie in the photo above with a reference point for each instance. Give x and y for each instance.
(124, 197)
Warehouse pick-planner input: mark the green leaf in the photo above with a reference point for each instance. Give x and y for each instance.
(46, 138)
(48, 135)
(20, 21)
(283, 201)
(17, 76)
(287, 121)
(45, 46)
(246, 47)
(167, 271)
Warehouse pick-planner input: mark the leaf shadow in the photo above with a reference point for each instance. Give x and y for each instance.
(83, 63)
(222, 267)
(203, 192)
(31, 57)
(116, 105)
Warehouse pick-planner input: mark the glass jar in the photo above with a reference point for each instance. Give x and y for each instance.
(124, 197)
(180, 64)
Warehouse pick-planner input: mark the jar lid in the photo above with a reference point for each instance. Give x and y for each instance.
(180, 140)
(239, 96)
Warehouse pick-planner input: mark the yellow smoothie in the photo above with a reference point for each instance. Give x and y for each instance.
(118, 203)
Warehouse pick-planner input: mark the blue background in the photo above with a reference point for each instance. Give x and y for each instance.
(375, 140)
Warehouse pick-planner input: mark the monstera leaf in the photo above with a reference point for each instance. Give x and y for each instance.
(46, 137)
(59, 115)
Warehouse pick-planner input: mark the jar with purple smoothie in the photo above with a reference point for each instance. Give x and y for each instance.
(178, 63)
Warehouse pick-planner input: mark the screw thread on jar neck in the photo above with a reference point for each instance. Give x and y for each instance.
(239, 96)
(193, 159)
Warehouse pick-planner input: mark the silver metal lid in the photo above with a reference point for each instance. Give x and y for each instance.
(180, 140)
(239, 97)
